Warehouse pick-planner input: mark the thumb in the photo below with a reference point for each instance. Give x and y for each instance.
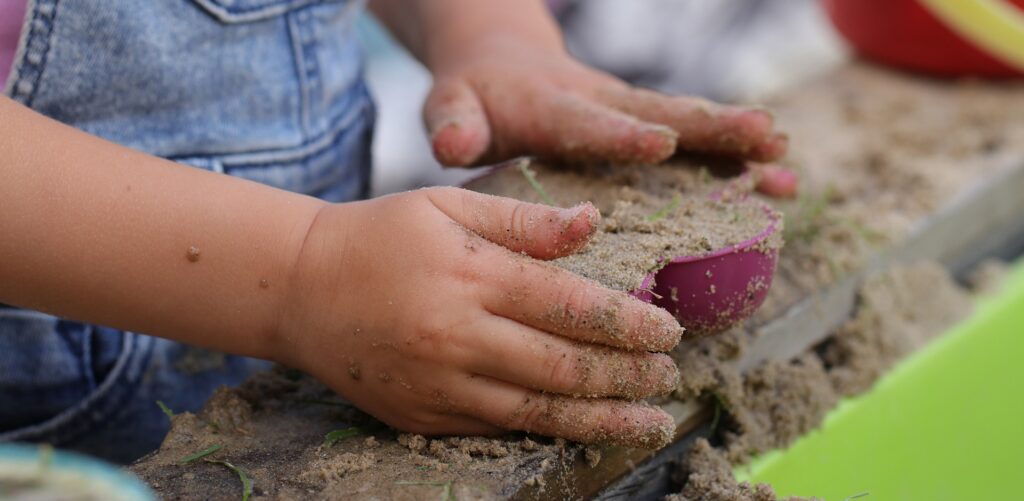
(457, 123)
(541, 231)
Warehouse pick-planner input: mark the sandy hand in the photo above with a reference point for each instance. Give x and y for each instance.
(433, 311)
(503, 100)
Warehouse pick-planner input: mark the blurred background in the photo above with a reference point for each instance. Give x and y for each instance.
(728, 50)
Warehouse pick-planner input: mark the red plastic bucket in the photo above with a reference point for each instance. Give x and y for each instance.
(940, 37)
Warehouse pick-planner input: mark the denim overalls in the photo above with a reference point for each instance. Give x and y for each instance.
(269, 90)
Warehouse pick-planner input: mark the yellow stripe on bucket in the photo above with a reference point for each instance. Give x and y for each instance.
(993, 25)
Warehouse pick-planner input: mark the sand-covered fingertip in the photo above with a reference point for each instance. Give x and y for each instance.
(656, 330)
(580, 223)
(654, 429)
(771, 149)
(636, 425)
(774, 180)
(656, 144)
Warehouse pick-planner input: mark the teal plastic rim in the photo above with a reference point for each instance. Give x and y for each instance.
(114, 482)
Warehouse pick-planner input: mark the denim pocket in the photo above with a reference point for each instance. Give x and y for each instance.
(59, 379)
(333, 166)
(242, 11)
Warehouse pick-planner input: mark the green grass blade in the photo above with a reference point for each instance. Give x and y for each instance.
(246, 482)
(167, 410)
(199, 455)
(666, 210)
(524, 168)
(342, 434)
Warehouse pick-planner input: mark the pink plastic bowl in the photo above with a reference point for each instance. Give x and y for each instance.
(710, 293)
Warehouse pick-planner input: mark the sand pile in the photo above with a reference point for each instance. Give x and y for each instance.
(650, 214)
(777, 402)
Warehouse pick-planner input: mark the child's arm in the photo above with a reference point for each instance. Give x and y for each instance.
(101, 233)
(420, 308)
(504, 86)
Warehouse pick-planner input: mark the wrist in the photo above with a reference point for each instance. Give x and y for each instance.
(287, 286)
(320, 257)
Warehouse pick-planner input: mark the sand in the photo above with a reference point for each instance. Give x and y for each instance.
(274, 427)
(777, 402)
(877, 152)
(650, 214)
(709, 478)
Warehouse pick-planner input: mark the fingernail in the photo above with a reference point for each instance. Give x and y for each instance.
(454, 144)
(671, 331)
(771, 149)
(670, 379)
(582, 216)
(657, 144)
(777, 181)
(569, 214)
(764, 112)
(665, 132)
(658, 430)
(780, 173)
(659, 331)
(445, 124)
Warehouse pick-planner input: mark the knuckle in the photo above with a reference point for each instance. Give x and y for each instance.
(444, 340)
(473, 268)
(532, 414)
(574, 302)
(440, 193)
(430, 340)
(563, 370)
(517, 229)
(424, 423)
(444, 191)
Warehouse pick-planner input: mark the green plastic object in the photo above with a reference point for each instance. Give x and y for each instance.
(947, 423)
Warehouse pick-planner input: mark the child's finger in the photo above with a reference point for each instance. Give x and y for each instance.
(511, 352)
(773, 180)
(579, 130)
(554, 300)
(457, 123)
(540, 231)
(631, 424)
(704, 126)
(450, 424)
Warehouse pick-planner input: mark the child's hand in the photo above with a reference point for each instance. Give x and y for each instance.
(426, 310)
(506, 97)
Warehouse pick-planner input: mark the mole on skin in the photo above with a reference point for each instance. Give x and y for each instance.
(264, 283)
(193, 253)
